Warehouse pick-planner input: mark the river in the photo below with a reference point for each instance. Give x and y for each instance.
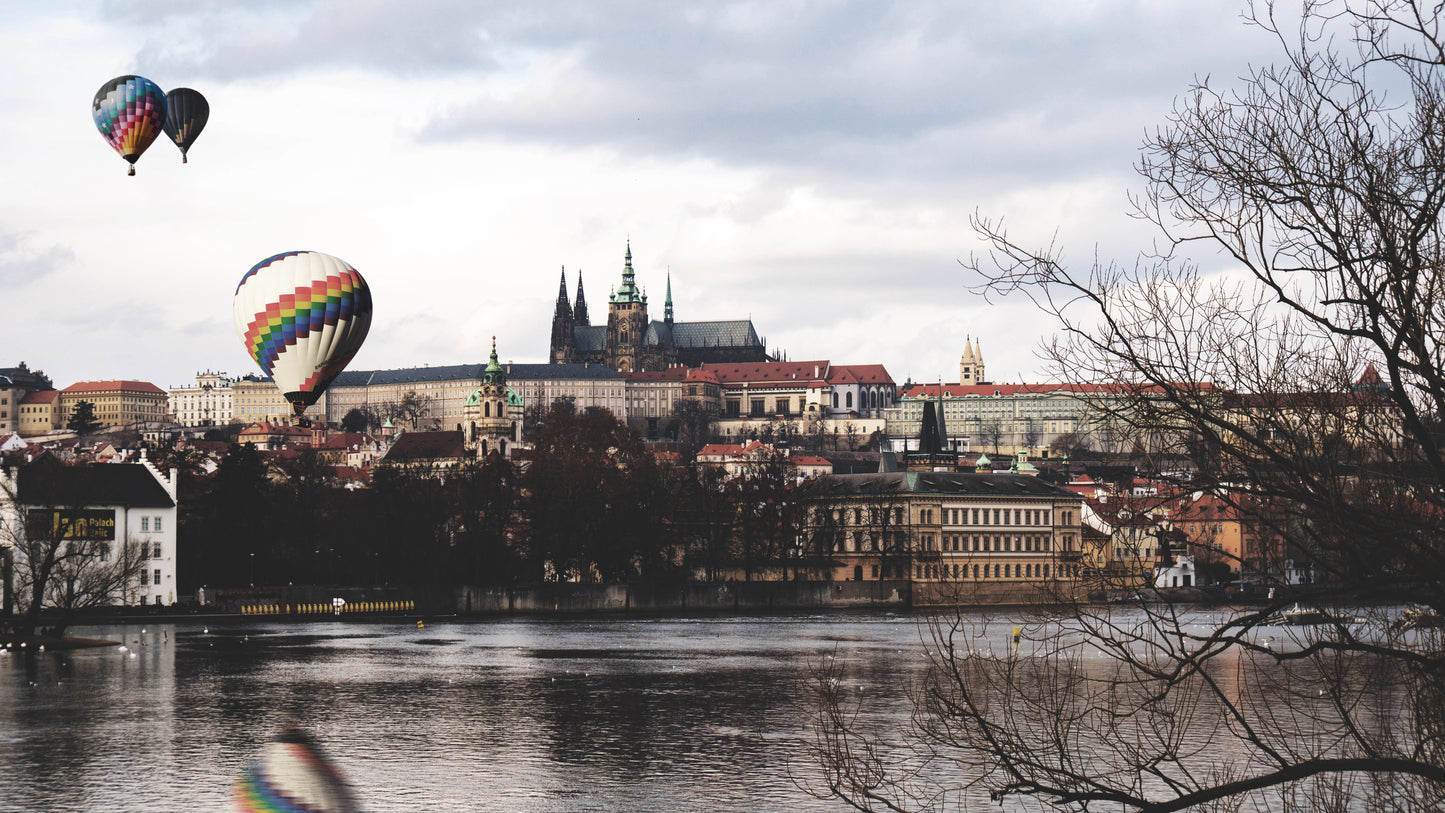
(656, 714)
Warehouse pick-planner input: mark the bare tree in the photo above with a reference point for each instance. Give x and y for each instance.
(1326, 197)
(412, 409)
(1069, 444)
(65, 558)
(992, 429)
(1030, 435)
(694, 421)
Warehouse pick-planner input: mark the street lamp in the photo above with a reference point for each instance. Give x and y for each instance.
(253, 569)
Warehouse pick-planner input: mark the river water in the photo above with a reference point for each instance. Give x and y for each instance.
(513, 714)
(673, 714)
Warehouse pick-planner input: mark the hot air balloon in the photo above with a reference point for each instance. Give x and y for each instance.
(302, 316)
(186, 115)
(292, 774)
(129, 111)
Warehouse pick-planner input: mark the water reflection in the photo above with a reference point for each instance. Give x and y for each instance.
(532, 715)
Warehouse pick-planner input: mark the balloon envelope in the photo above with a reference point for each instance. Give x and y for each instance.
(302, 316)
(186, 114)
(292, 774)
(129, 111)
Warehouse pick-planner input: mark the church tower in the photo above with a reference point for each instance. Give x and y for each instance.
(564, 340)
(970, 367)
(626, 320)
(491, 424)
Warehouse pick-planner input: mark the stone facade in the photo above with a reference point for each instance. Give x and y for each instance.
(117, 403)
(208, 403)
(950, 528)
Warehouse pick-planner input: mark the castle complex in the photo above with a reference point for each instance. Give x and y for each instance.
(632, 342)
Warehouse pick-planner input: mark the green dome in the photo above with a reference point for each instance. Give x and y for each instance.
(494, 373)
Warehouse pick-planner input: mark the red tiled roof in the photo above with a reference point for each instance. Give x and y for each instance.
(352, 474)
(987, 390)
(41, 397)
(118, 385)
(768, 371)
(721, 449)
(811, 460)
(860, 374)
(1110, 512)
(345, 440)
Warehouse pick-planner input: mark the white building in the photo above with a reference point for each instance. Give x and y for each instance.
(111, 503)
(1181, 574)
(209, 403)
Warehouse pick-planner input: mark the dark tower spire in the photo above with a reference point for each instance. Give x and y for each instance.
(667, 306)
(579, 310)
(563, 307)
(564, 340)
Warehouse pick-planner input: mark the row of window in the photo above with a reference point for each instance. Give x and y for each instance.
(152, 524)
(997, 544)
(1023, 517)
(999, 516)
(144, 579)
(1026, 570)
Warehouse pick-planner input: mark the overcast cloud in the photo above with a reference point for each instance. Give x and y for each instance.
(811, 165)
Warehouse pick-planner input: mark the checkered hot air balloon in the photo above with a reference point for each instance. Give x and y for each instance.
(302, 316)
(292, 776)
(186, 114)
(130, 112)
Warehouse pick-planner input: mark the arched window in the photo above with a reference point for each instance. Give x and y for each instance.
(835, 400)
(487, 409)
(850, 401)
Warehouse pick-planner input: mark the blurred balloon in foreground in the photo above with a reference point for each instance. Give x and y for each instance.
(130, 112)
(186, 114)
(302, 316)
(292, 775)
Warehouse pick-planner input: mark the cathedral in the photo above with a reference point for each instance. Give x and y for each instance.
(632, 342)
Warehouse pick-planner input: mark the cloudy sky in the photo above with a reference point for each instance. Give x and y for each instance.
(811, 165)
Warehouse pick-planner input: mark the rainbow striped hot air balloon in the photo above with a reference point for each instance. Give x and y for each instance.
(129, 111)
(292, 776)
(302, 316)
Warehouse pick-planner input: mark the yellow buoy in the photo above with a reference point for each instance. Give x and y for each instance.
(420, 625)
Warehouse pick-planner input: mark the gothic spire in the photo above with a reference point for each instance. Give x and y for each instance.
(564, 309)
(579, 310)
(667, 306)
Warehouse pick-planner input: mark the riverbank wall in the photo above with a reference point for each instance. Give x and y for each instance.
(705, 597)
(730, 596)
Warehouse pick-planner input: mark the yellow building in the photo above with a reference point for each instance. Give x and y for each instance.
(255, 399)
(116, 403)
(946, 529)
(39, 413)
